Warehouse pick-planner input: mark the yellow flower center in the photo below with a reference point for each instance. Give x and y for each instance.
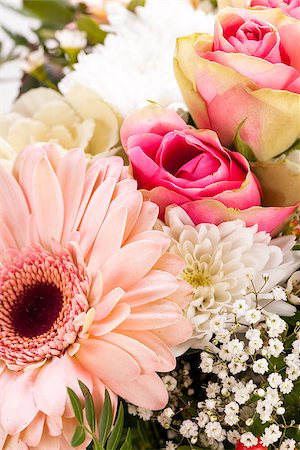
(196, 277)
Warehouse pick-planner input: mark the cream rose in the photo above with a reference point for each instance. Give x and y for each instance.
(78, 119)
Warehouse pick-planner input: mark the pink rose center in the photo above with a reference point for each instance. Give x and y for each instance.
(40, 296)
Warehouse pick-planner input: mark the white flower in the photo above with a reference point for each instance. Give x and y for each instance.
(79, 119)
(252, 333)
(207, 365)
(71, 39)
(202, 419)
(271, 435)
(275, 380)
(248, 439)
(275, 347)
(231, 419)
(264, 408)
(276, 326)
(240, 307)
(254, 345)
(287, 386)
(206, 250)
(165, 417)
(170, 445)
(252, 316)
(132, 409)
(212, 390)
(233, 436)
(34, 60)
(170, 382)
(232, 408)
(260, 366)
(188, 429)
(279, 293)
(242, 396)
(215, 431)
(288, 444)
(141, 48)
(293, 288)
(210, 404)
(144, 414)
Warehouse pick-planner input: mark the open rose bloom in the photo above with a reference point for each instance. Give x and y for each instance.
(176, 164)
(87, 291)
(244, 81)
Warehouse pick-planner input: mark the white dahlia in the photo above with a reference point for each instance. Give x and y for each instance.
(136, 62)
(221, 262)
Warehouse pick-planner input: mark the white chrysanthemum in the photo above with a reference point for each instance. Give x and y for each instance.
(136, 62)
(221, 262)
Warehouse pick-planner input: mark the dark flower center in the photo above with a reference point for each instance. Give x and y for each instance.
(36, 309)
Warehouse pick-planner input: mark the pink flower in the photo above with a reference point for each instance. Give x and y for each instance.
(178, 165)
(88, 292)
(244, 81)
(289, 7)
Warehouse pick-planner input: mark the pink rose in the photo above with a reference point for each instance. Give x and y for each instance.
(245, 79)
(176, 164)
(289, 7)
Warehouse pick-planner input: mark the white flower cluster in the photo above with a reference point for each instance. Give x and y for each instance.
(264, 380)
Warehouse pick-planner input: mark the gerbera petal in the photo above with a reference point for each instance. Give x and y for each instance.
(152, 316)
(95, 213)
(143, 355)
(71, 175)
(175, 333)
(138, 257)
(20, 392)
(166, 358)
(107, 362)
(113, 320)
(13, 209)
(48, 203)
(50, 388)
(132, 201)
(109, 238)
(147, 391)
(154, 286)
(147, 218)
(32, 435)
(108, 302)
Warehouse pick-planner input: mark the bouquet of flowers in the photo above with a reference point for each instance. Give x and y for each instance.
(150, 228)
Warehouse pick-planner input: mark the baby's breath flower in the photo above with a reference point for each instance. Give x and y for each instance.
(248, 439)
(260, 366)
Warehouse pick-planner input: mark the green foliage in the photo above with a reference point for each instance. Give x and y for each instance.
(241, 146)
(109, 435)
(95, 34)
(55, 12)
(134, 4)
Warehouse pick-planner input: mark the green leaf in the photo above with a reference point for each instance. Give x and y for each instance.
(95, 34)
(128, 441)
(78, 436)
(58, 12)
(134, 4)
(76, 405)
(18, 39)
(106, 419)
(241, 146)
(97, 445)
(89, 406)
(116, 433)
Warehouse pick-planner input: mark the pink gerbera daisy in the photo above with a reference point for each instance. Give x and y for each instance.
(87, 291)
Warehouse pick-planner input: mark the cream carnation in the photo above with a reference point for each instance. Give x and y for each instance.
(135, 64)
(87, 291)
(219, 263)
(78, 119)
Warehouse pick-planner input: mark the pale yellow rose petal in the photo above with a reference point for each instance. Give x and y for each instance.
(89, 106)
(84, 133)
(57, 112)
(62, 136)
(30, 102)
(280, 182)
(24, 132)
